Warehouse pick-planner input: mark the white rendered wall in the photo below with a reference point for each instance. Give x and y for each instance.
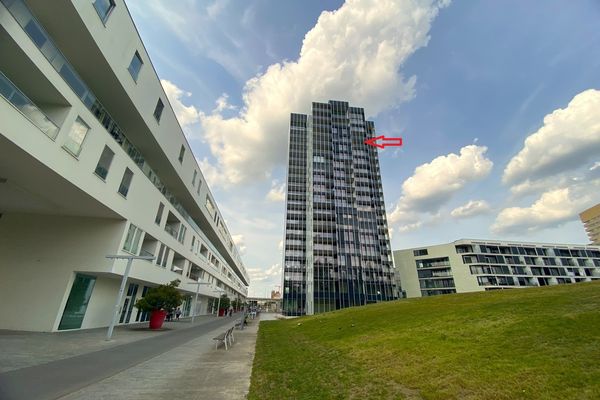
(38, 254)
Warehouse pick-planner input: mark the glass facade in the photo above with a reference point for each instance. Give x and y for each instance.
(496, 265)
(337, 248)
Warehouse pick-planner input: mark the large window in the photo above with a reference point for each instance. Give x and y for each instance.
(158, 110)
(104, 162)
(77, 303)
(76, 137)
(194, 178)
(104, 8)
(135, 66)
(125, 182)
(132, 240)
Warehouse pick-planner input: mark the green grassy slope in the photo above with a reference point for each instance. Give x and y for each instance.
(538, 343)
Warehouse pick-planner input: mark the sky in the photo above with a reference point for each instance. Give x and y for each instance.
(497, 102)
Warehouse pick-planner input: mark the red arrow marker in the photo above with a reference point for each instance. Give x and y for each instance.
(385, 141)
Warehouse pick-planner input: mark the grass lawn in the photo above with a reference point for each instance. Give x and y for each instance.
(537, 343)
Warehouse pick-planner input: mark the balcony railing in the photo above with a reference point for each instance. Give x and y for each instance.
(14, 96)
(171, 230)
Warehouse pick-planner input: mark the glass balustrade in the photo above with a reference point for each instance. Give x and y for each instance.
(13, 95)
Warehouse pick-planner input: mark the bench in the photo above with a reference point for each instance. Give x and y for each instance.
(239, 324)
(226, 338)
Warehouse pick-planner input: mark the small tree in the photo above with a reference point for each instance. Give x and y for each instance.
(225, 302)
(163, 297)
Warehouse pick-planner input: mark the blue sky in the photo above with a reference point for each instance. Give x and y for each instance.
(464, 83)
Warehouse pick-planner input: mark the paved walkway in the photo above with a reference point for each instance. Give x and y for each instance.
(21, 349)
(181, 362)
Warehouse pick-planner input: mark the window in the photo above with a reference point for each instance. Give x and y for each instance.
(158, 110)
(181, 234)
(199, 186)
(181, 154)
(163, 255)
(159, 213)
(35, 33)
(135, 66)
(420, 252)
(104, 8)
(210, 206)
(104, 162)
(194, 178)
(76, 136)
(132, 240)
(125, 182)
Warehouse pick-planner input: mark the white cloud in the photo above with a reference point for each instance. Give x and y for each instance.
(204, 31)
(552, 209)
(240, 242)
(433, 184)
(471, 209)
(353, 54)
(186, 115)
(409, 227)
(260, 274)
(222, 104)
(569, 139)
(211, 174)
(277, 192)
(529, 187)
(216, 7)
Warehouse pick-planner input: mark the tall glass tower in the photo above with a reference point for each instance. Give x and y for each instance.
(337, 246)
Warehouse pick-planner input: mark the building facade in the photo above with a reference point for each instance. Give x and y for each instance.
(337, 248)
(477, 265)
(591, 222)
(92, 163)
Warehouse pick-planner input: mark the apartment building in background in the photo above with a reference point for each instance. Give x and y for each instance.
(92, 163)
(591, 223)
(337, 247)
(472, 265)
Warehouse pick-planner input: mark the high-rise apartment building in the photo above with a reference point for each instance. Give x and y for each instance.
(92, 163)
(591, 222)
(471, 265)
(337, 247)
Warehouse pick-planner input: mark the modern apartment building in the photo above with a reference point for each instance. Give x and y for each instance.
(337, 247)
(591, 222)
(92, 163)
(471, 265)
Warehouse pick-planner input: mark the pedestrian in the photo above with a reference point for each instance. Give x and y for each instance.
(230, 311)
(169, 315)
(178, 313)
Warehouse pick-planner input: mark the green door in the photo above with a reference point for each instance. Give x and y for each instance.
(81, 291)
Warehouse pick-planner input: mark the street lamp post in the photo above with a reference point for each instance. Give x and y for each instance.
(219, 303)
(129, 259)
(196, 299)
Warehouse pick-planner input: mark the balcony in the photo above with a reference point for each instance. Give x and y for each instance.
(14, 96)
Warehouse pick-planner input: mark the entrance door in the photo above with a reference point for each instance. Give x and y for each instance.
(128, 303)
(77, 303)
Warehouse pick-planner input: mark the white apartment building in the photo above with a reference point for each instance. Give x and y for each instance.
(472, 265)
(93, 162)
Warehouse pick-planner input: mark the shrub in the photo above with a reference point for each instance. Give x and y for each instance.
(163, 297)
